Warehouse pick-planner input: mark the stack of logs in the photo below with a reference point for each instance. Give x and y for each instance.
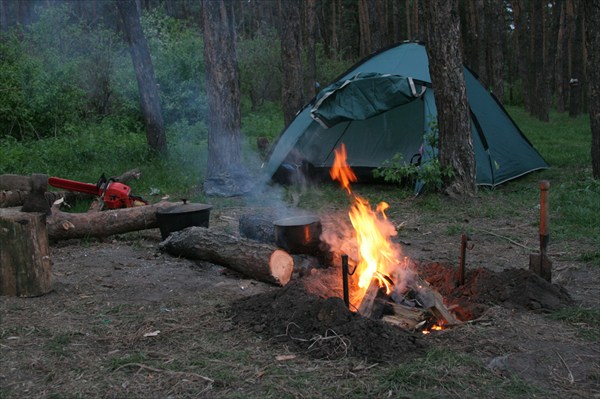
(418, 308)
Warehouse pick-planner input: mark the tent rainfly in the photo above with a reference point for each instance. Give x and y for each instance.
(385, 105)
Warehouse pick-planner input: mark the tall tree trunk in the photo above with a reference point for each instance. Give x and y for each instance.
(225, 173)
(292, 96)
(523, 54)
(334, 42)
(311, 33)
(540, 103)
(144, 73)
(364, 23)
(576, 79)
(480, 29)
(495, 53)
(3, 19)
(561, 66)
(447, 78)
(592, 23)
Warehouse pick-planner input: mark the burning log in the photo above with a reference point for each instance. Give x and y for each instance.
(63, 225)
(366, 307)
(406, 317)
(260, 261)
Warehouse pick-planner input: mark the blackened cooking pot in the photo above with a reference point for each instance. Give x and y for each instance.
(180, 216)
(298, 234)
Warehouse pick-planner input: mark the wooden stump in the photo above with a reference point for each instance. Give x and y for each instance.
(25, 268)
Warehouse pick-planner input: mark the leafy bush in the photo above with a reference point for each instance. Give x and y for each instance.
(429, 172)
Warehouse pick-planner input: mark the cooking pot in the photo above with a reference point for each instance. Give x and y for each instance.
(180, 216)
(298, 234)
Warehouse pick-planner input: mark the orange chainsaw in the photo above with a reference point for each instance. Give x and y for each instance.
(115, 195)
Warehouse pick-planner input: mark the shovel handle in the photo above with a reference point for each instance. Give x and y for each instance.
(544, 215)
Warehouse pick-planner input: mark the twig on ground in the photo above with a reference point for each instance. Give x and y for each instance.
(507, 239)
(156, 370)
(571, 378)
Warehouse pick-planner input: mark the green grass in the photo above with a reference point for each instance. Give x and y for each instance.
(464, 376)
(586, 320)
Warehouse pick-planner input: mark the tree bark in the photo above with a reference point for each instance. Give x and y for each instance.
(144, 73)
(495, 53)
(311, 33)
(64, 226)
(561, 65)
(292, 86)
(540, 103)
(365, 29)
(257, 260)
(225, 173)
(3, 19)
(576, 80)
(25, 267)
(522, 48)
(592, 23)
(447, 78)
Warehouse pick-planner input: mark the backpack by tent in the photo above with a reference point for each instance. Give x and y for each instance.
(385, 105)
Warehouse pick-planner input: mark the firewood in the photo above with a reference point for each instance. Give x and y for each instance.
(63, 225)
(366, 307)
(260, 261)
(434, 303)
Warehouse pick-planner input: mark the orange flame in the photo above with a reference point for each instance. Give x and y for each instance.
(378, 257)
(340, 170)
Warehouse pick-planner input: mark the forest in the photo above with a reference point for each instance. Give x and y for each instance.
(66, 71)
(494, 288)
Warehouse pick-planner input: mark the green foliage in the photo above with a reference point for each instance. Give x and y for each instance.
(259, 60)
(429, 172)
(177, 56)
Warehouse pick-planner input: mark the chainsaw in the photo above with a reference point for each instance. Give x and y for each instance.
(115, 195)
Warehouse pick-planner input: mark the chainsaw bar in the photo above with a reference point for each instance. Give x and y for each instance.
(73, 185)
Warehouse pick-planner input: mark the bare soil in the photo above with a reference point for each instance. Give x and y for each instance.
(127, 321)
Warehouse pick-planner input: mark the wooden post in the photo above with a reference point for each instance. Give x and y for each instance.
(25, 268)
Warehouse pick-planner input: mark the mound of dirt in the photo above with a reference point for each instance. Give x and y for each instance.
(513, 288)
(322, 328)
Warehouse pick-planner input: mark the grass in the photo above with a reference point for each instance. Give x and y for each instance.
(243, 365)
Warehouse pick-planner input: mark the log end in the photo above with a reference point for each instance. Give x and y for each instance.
(282, 266)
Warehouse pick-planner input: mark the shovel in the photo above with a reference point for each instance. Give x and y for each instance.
(541, 264)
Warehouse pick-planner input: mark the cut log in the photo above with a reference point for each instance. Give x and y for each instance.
(25, 268)
(63, 225)
(263, 262)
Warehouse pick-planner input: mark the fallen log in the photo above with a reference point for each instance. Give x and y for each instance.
(64, 225)
(260, 261)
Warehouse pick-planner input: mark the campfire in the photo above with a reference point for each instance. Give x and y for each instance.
(378, 281)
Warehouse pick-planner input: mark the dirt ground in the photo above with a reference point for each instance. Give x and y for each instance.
(125, 320)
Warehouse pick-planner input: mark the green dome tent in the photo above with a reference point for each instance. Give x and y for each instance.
(385, 105)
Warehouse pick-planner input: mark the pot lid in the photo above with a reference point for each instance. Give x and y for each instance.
(186, 207)
(297, 220)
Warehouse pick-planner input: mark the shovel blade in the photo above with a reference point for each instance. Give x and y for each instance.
(541, 265)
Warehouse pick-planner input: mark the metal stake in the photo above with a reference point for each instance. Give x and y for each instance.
(345, 280)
